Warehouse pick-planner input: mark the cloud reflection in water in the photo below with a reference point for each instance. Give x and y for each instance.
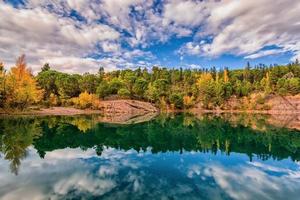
(118, 174)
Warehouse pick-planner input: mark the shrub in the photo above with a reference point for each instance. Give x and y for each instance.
(53, 100)
(86, 100)
(188, 101)
(123, 92)
(177, 100)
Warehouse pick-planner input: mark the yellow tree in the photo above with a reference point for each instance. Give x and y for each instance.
(204, 79)
(266, 83)
(226, 78)
(206, 88)
(22, 89)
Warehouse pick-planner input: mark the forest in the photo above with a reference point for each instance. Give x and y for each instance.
(175, 88)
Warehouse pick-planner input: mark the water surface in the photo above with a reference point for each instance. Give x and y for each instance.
(170, 157)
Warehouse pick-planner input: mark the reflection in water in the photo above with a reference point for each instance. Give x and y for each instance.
(17, 135)
(177, 157)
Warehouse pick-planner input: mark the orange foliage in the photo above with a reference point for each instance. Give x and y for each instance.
(188, 101)
(204, 79)
(53, 100)
(21, 86)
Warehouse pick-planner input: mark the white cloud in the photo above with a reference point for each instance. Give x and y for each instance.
(246, 27)
(191, 49)
(110, 47)
(69, 173)
(264, 53)
(47, 30)
(44, 32)
(118, 11)
(44, 36)
(83, 183)
(186, 13)
(68, 154)
(255, 183)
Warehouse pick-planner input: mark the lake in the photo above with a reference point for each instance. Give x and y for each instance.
(170, 157)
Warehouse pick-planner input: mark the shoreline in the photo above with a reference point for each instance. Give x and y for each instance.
(53, 111)
(127, 107)
(68, 111)
(268, 112)
(279, 118)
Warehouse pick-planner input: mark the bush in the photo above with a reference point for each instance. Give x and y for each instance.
(177, 100)
(53, 100)
(188, 101)
(123, 92)
(293, 85)
(288, 86)
(260, 99)
(86, 100)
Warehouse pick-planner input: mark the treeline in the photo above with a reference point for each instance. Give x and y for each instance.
(167, 88)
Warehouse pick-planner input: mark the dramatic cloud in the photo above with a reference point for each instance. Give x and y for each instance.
(246, 27)
(45, 36)
(79, 36)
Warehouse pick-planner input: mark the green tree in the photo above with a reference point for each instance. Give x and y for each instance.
(124, 92)
(139, 87)
(152, 93)
(46, 67)
(293, 86)
(177, 100)
(68, 85)
(89, 83)
(103, 90)
(47, 81)
(129, 78)
(101, 73)
(17, 136)
(114, 85)
(242, 88)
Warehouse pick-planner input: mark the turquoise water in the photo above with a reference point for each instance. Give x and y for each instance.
(170, 157)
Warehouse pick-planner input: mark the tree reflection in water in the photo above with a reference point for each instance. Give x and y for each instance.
(17, 135)
(245, 134)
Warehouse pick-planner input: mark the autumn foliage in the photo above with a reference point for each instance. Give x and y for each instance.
(86, 100)
(21, 89)
(175, 88)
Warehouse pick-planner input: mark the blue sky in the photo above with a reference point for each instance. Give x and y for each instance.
(79, 36)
